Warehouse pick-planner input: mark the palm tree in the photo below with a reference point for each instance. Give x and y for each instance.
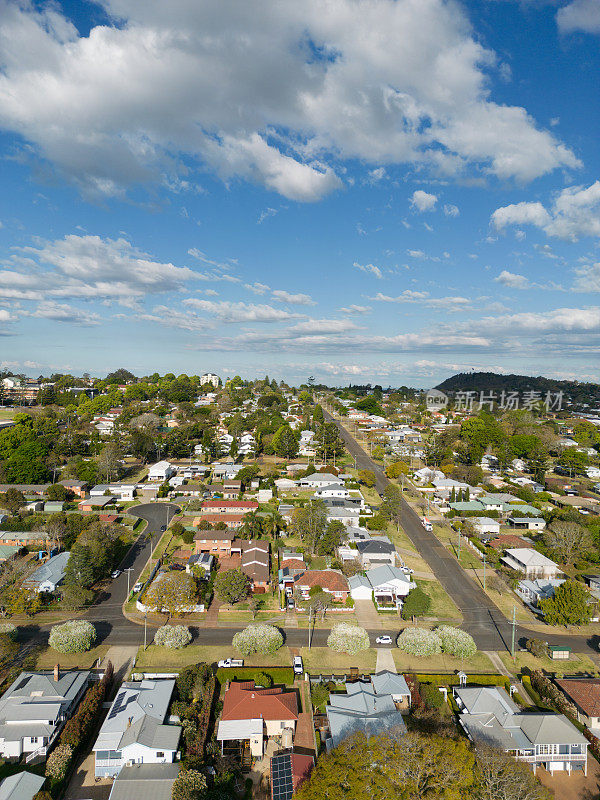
(273, 523)
(252, 525)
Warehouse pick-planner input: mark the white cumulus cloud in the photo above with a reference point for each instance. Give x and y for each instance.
(423, 201)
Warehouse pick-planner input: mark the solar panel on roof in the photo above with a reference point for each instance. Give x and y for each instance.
(117, 705)
(282, 784)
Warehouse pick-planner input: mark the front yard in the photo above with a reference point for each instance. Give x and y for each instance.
(442, 663)
(163, 659)
(577, 663)
(49, 657)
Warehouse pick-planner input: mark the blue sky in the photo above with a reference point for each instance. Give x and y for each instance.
(363, 190)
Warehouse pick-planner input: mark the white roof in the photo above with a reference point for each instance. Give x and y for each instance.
(530, 557)
(239, 729)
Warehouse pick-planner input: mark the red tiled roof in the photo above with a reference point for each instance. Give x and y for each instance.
(509, 540)
(244, 701)
(584, 692)
(293, 563)
(325, 578)
(230, 504)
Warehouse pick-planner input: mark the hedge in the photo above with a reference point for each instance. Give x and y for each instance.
(278, 674)
(451, 679)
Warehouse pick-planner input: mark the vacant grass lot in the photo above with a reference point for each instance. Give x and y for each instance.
(323, 660)
(442, 607)
(165, 660)
(442, 663)
(577, 663)
(49, 657)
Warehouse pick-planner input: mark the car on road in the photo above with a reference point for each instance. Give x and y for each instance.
(115, 573)
(383, 640)
(137, 586)
(291, 603)
(298, 665)
(163, 528)
(231, 662)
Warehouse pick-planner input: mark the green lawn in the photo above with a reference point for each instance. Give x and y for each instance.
(323, 660)
(442, 663)
(163, 659)
(577, 663)
(449, 538)
(49, 657)
(442, 607)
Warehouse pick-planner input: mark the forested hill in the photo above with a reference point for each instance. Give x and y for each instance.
(577, 393)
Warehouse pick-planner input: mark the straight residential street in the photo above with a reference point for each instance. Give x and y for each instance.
(482, 619)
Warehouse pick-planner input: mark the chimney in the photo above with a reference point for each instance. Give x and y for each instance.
(56, 672)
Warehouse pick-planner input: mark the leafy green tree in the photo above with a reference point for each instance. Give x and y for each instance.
(57, 492)
(22, 601)
(568, 541)
(416, 604)
(370, 405)
(232, 585)
(396, 469)
(332, 538)
(310, 522)
(367, 477)
(13, 500)
(327, 441)
(285, 443)
(569, 606)
(391, 507)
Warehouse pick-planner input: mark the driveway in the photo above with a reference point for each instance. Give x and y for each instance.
(366, 614)
(575, 786)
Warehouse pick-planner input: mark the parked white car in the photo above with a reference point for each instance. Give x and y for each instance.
(231, 662)
(298, 665)
(383, 640)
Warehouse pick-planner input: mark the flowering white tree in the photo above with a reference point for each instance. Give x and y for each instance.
(58, 761)
(8, 629)
(172, 636)
(346, 638)
(75, 636)
(456, 642)
(419, 642)
(258, 638)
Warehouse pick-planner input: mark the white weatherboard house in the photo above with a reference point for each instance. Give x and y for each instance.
(134, 731)
(161, 471)
(389, 585)
(332, 490)
(34, 709)
(22, 786)
(532, 563)
(317, 480)
(50, 575)
(490, 717)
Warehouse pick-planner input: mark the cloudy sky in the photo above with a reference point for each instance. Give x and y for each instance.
(362, 190)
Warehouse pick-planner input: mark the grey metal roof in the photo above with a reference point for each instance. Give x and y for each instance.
(143, 781)
(21, 786)
(387, 682)
(150, 733)
(52, 571)
(374, 546)
(34, 699)
(134, 701)
(385, 573)
(361, 709)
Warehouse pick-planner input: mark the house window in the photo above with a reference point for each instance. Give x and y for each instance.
(160, 754)
(547, 749)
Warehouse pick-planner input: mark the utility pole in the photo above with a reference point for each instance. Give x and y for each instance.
(459, 548)
(514, 626)
(128, 571)
(145, 628)
(484, 572)
(309, 637)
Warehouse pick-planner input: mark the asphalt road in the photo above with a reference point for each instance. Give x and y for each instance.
(482, 618)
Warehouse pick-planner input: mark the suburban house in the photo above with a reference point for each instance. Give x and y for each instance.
(134, 731)
(584, 693)
(532, 591)
(332, 490)
(143, 781)
(78, 488)
(21, 786)
(23, 538)
(375, 551)
(222, 471)
(255, 564)
(506, 540)
(161, 471)
(528, 523)
(50, 575)
(238, 508)
(345, 511)
(231, 489)
(490, 717)
(231, 521)
(532, 563)
(288, 772)
(292, 565)
(250, 715)
(330, 580)
(217, 543)
(35, 707)
(317, 480)
(202, 561)
(389, 585)
(485, 525)
(368, 707)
